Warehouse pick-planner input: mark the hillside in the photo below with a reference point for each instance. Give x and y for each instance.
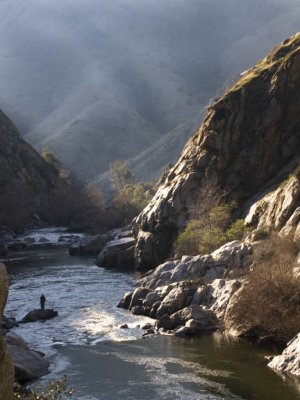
(247, 145)
(84, 77)
(29, 185)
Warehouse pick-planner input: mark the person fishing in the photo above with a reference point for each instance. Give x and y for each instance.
(42, 302)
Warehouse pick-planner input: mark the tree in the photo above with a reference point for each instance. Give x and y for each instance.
(50, 157)
(132, 199)
(210, 224)
(120, 174)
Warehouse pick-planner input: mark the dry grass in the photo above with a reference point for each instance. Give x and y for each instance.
(270, 301)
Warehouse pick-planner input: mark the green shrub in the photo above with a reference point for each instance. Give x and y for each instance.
(131, 200)
(237, 230)
(210, 231)
(187, 242)
(120, 175)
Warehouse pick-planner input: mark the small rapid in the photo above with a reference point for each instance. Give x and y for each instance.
(103, 361)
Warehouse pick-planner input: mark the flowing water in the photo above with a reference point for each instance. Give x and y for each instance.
(105, 362)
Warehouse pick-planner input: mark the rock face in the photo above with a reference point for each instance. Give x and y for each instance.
(278, 209)
(28, 364)
(289, 361)
(6, 365)
(39, 315)
(29, 185)
(246, 140)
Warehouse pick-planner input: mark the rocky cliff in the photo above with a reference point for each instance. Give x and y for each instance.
(28, 183)
(6, 365)
(247, 143)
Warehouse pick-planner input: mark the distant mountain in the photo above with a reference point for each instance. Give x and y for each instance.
(151, 163)
(97, 80)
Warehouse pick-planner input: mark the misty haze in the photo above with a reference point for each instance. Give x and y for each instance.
(102, 80)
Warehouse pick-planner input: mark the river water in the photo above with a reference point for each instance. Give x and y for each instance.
(105, 362)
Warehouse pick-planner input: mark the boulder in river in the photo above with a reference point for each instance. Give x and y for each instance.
(117, 253)
(28, 364)
(289, 360)
(39, 315)
(91, 245)
(125, 302)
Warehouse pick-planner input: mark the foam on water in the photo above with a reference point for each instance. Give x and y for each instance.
(51, 234)
(85, 297)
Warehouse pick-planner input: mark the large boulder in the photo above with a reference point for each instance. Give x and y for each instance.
(6, 364)
(117, 254)
(90, 245)
(138, 297)
(39, 315)
(178, 298)
(202, 317)
(28, 364)
(289, 360)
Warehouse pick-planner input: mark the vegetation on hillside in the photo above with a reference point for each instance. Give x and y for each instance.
(49, 156)
(210, 225)
(129, 197)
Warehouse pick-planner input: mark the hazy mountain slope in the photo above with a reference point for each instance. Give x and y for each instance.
(153, 63)
(151, 163)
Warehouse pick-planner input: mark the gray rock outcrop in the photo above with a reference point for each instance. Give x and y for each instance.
(190, 295)
(233, 257)
(278, 209)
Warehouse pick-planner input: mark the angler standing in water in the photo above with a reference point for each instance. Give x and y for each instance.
(42, 302)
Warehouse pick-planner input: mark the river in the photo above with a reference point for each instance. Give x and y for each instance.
(105, 362)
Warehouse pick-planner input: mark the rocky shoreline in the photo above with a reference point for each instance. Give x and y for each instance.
(196, 295)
